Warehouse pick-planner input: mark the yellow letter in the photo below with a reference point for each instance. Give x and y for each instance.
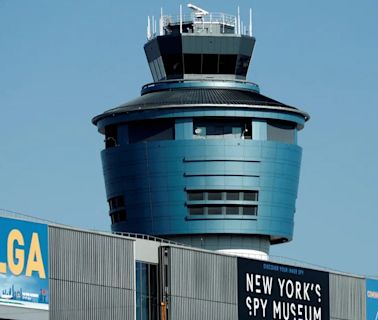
(35, 262)
(3, 267)
(16, 267)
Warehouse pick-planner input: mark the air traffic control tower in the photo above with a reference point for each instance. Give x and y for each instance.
(201, 157)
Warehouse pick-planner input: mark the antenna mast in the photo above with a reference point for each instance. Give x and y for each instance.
(148, 28)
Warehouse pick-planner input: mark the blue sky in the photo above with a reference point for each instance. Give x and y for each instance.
(63, 62)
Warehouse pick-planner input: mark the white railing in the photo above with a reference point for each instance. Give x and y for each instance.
(213, 18)
(200, 19)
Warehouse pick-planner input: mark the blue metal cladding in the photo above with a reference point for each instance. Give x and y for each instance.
(371, 299)
(154, 176)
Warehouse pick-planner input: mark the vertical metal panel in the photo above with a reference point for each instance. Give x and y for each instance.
(83, 301)
(185, 308)
(91, 275)
(347, 297)
(202, 285)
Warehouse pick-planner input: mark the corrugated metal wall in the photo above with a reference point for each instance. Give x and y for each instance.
(202, 285)
(347, 297)
(91, 276)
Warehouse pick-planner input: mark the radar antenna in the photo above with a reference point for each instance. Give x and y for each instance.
(199, 12)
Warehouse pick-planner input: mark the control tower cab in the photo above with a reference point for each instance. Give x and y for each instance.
(201, 157)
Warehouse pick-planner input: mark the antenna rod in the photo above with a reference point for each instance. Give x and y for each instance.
(239, 20)
(161, 31)
(148, 28)
(250, 22)
(223, 22)
(180, 18)
(211, 18)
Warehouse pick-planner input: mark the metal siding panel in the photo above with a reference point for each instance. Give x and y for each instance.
(91, 275)
(347, 297)
(189, 309)
(202, 285)
(83, 301)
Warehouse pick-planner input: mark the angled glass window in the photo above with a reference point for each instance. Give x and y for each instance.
(210, 64)
(283, 131)
(141, 131)
(192, 63)
(118, 216)
(227, 63)
(173, 65)
(116, 202)
(242, 65)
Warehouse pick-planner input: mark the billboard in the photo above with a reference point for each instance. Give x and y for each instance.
(23, 264)
(371, 299)
(273, 291)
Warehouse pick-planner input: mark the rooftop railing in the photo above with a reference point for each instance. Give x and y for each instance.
(211, 18)
(200, 21)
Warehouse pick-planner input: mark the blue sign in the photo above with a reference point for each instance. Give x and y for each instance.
(371, 299)
(23, 264)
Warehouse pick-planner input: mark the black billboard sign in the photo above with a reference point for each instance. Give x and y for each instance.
(271, 291)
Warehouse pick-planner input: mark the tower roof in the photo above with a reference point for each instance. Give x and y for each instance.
(201, 97)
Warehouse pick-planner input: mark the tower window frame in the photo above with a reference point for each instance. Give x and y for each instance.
(111, 136)
(222, 128)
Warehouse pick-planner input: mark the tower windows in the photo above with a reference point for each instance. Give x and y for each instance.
(249, 210)
(195, 211)
(232, 210)
(242, 65)
(209, 210)
(250, 196)
(214, 195)
(141, 131)
(230, 195)
(279, 130)
(192, 63)
(209, 63)
(116, 202)
(214, 210)
(222, 129)
(227, 63)
(118, 216)
(220, 202)
(196, 196)
(173, 65)
(117, 209)
(111, 137)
